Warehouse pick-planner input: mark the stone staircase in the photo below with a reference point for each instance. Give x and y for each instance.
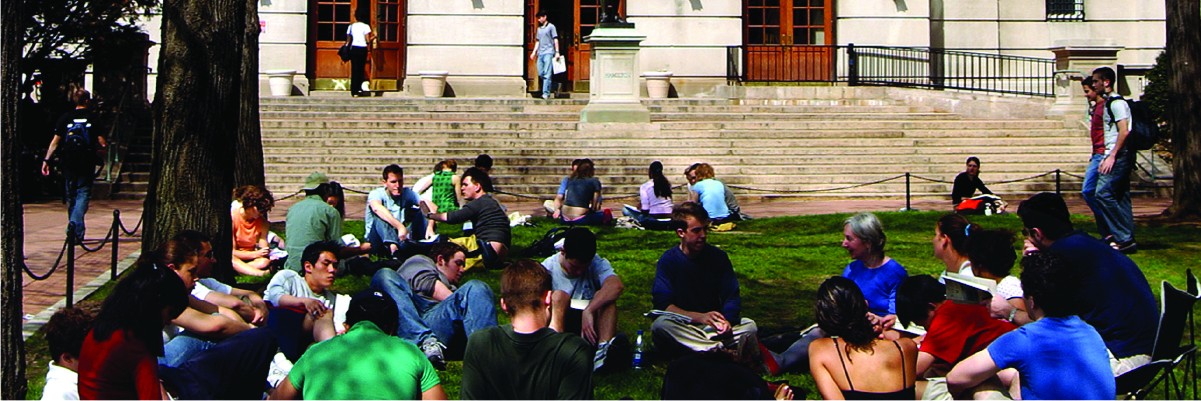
(767, 147)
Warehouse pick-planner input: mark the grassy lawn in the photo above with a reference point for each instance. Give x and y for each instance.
(779, 262)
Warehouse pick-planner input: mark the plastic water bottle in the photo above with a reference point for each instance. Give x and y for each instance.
(638, 351)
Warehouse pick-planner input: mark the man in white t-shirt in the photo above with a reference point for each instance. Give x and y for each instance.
(546, 48)
(304, 305)
(584, 296)
(1111, 200)
(64, 336)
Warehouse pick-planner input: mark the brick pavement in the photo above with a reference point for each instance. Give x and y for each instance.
(45, 225)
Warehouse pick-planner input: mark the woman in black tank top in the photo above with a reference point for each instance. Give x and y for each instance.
(854, 363)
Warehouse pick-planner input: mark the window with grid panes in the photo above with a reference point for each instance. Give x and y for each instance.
(1065, 10)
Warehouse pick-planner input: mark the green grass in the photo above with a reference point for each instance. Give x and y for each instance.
(779, 263)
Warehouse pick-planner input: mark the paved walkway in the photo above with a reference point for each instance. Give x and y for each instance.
(46, 221)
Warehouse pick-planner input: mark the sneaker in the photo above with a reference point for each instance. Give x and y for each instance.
(620, 355)
(602, 351)
(280, 367)
(433, 351)
(432, 240)
(1127, 247)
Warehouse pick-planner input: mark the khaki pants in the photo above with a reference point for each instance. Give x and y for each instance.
(697, 337)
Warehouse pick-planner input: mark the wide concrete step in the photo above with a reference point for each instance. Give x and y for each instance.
(692, 125)
(384, 108)
(619, 133)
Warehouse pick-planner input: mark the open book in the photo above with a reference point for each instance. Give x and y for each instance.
(965, 289)
(656, 313)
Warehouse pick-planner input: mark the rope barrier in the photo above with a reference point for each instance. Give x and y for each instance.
(103, 242)
(799, 191)
(57, 263)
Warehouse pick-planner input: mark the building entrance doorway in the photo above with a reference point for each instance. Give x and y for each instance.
(574, 20)
(788, 40)
(328, 20)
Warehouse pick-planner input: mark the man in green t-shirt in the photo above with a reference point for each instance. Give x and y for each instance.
(526, 359)
(366, 363)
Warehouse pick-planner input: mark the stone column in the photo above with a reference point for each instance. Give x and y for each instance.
(615, 95)
(1073, 62)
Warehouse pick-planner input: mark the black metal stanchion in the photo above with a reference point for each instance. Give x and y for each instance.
(908, 194)
(1057, 192)
(116, 242)
(70, 264)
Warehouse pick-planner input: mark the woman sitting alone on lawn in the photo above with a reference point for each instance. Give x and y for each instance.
(655, 201)
(251, 254)
(854, 353)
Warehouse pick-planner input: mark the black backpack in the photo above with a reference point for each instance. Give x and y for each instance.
(1145, 131)
(79, 144)
(545, 246)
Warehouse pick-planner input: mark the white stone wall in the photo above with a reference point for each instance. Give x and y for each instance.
(479, 42)
(882, 22)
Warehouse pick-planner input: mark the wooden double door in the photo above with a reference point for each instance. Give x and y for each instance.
(788, 40)
(328, 21)
(574, 19)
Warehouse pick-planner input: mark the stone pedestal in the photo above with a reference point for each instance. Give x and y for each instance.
(1073, 62)
(614, 85)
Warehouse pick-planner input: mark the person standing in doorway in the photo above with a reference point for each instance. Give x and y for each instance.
(546, 49)
(359, 36)
(79, 138)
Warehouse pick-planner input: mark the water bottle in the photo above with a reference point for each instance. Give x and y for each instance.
(638, 351)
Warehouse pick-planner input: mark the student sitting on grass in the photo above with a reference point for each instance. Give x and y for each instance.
(304, 304)
(64, 336)
(1059, 356)
(993, 255)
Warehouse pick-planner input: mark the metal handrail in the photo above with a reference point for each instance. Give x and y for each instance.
(921, 67)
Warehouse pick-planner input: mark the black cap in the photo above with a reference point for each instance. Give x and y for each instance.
(374, 306)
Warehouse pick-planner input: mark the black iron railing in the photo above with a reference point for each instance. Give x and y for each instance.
(892, 66)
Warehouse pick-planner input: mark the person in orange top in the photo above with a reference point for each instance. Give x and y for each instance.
(251, 255)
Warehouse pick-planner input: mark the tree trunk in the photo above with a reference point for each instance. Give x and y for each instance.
(197, 106)
(248, 162)
(1184, 99)
(12, 229)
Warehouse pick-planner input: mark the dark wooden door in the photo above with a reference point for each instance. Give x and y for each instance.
(328, 21)
(788, 40)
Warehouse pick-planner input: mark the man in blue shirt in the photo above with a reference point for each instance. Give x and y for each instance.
(1114, 296)
(546, 49)
(393, 220)
(696, 282)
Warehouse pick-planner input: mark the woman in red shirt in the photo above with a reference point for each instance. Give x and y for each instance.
(118, 358)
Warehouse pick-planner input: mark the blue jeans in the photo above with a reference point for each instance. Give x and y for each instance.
(382, 233)
(236, 368)
(77, 191)
(546, 71)
(182, 348)
(420, 318)
(1108, 195)
(645, 220)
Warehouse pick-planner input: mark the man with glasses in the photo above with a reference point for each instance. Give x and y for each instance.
(1113, 294)
(430, 304)
(695, 281)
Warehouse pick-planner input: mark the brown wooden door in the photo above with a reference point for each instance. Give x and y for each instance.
(328, 21)
(788, 40)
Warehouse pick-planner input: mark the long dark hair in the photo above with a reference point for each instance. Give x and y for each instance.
(842, 312)
(137, 304)
(662, 186)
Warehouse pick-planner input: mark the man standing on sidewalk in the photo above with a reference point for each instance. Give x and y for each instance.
(546, 49)
(1110, 200)
(79, 136)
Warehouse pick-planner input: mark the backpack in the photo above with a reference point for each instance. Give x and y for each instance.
(79, 145)
(1145, 131)
(545, 246)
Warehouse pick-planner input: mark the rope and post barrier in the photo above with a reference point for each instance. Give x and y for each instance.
(70, 264)
(68, 250)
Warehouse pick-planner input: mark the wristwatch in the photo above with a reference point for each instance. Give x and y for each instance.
(1012, 314)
